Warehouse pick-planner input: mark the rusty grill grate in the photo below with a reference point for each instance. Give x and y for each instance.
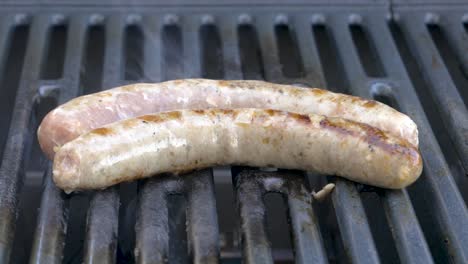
(411, 57)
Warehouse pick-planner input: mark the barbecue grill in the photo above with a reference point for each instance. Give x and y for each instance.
(411, 55)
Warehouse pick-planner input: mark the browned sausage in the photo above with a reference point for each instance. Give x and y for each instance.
(191, 139)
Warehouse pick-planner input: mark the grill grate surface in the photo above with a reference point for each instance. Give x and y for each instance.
(426, 221)
(251, 186)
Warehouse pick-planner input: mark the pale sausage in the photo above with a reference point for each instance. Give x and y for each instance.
(85, 113)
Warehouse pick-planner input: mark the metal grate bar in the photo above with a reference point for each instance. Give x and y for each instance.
(10, 171)
(256, 247)
(339, 27)
(315, 74)
(52, 220)
(397, 204)
(445, 198)
(349, 209)
(152, 48)
(350, 212)
(202, 218)
(152, 224)
(267, 41)
(411, 246)
(107, 201)
(353, 224)
(202, 221)
(73, 57)
(450, 103)
(458, 34)
(7, 211)
(308, 241)
(228, 31)
(152, 227)
(7, 25)
(260, 252)
(251, 186)
(51, 226)
(191, 45)
(257, 251)
(308, 50)
(203, 233)
(102, 229)
(113, 52)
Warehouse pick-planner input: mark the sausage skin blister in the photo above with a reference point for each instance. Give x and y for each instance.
(185, 140)
(85, 113)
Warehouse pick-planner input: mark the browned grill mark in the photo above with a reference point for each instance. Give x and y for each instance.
(230, 112)
(305, 119)
(130, 123)
(262, 116)
(370, 103)
(151, 118)
(210, 112)
(198, 111)
(374, 134)
(374, 137)
(226, 111)
(318, 91)
(174, 115)
(340, 128)
(102, 131)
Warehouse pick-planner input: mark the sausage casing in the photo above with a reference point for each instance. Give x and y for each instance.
(85, 113)
(192, 139)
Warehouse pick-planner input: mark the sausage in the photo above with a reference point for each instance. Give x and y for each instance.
(85, 113)
(184, 140)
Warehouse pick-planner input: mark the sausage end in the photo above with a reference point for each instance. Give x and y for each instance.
(66, 170)
(54, 131)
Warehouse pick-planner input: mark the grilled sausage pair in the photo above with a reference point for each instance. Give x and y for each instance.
(136, 131)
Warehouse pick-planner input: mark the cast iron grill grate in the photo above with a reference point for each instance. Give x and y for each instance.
(413, 59)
